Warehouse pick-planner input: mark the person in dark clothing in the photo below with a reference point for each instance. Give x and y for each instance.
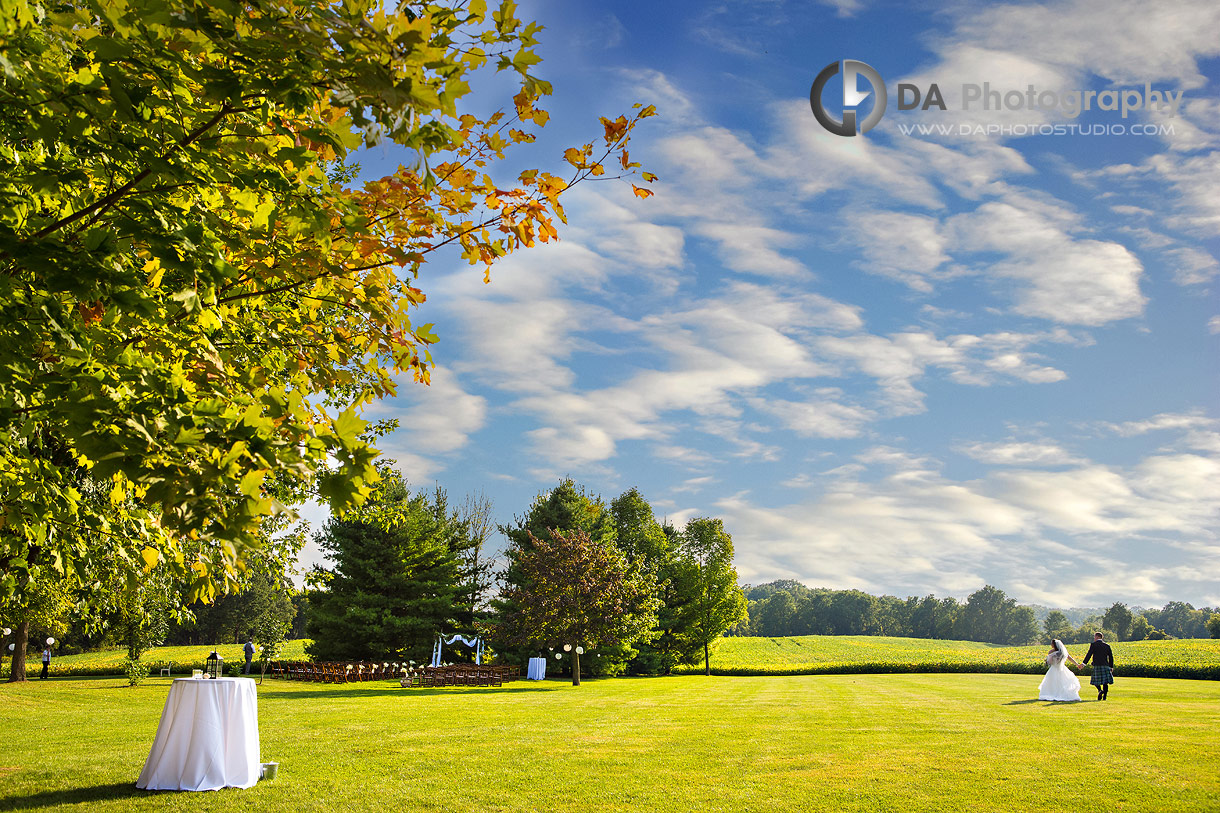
(249, 650)
(1103, 665)
(46, 661)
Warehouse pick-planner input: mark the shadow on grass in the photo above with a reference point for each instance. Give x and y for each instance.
(387, 690)
(1043, 702)
(67, 796)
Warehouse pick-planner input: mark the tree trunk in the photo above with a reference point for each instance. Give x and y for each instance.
(21, 639)
(707, 661)
(575, 668)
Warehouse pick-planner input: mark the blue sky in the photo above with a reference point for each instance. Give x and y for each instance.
(896, 362)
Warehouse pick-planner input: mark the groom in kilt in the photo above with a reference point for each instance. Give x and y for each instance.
(1103, 665)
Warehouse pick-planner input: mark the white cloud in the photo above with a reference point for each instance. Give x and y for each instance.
(845, 8)
(823, 416)
(1015, 453)
(1124, 41)
(815, 162)
(437, 418)
(993, 69)
(1085, 282)
(1039, 533)
(906, 247)
(901, 359)
(1165, 421)
(748, 248)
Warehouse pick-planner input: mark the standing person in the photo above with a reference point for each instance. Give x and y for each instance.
(1059, 684)
(46, 660)
(249, 650)
(1103, 665)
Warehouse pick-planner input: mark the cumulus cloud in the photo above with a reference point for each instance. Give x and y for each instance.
(1066, 280)
(1050, 533)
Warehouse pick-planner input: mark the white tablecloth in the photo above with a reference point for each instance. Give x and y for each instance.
(536, 670)
(207, 738)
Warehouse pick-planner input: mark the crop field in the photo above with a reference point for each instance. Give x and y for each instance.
(828, 654)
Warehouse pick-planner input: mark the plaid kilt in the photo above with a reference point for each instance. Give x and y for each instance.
(1102, 675)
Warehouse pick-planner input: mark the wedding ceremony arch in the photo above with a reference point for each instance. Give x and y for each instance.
(475, 642)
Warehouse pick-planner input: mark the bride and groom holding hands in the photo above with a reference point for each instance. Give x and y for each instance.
(1061, 684)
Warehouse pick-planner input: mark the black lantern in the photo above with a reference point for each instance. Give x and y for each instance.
(214, 667)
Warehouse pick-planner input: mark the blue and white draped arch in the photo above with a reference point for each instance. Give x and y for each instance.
(473, 641)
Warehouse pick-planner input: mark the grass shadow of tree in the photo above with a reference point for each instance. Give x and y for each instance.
(431, 691)
(71, 796)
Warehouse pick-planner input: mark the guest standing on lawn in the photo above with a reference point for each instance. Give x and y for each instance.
(1103, 665)
(249, 650)
(46, 661)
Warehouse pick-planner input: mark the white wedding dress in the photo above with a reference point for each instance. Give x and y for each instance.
(1059, 683)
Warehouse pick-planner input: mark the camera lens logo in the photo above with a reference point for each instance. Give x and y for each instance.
(853, 97)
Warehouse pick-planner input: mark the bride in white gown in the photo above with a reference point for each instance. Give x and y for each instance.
(1059, 683)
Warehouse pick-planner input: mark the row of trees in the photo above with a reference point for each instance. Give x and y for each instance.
(787, 607)
(632, 592)
(790, 608)
(1175, 620)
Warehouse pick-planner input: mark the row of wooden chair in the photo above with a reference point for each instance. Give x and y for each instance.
(336, 671)
(458, 674)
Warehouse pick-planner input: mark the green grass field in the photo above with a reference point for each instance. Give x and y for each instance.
(823, 654)
(901, 742)
(814, 654)
(110, 662)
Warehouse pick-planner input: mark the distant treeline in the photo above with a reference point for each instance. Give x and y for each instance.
(786, 608)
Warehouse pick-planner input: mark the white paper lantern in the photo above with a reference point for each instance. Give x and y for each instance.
(567, 647)
(558, 655)
(580, 650)
(8, 631)
(50, 641)
(11, 647)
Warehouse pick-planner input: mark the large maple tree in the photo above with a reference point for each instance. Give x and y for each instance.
(194, 300)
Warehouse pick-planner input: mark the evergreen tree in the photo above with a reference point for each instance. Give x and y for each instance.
(396, 581)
